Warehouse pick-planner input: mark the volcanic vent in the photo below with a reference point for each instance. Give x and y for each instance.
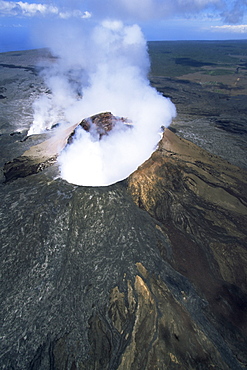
(100, 150)
(104, 149)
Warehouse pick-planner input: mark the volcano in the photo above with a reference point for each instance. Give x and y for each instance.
(147, 273)
(149, 270)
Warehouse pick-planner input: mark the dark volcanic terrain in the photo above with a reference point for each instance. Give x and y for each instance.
(148, 273)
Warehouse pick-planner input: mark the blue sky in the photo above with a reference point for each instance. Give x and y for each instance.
(22, 22)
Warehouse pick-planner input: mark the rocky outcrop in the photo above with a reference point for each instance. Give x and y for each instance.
(24, 166)
(101, 124)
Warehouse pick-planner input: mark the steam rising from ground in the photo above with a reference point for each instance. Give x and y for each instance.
(104, 68)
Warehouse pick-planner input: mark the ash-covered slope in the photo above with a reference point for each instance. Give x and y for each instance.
(147, 273)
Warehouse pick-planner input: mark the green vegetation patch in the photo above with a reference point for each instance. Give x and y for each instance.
(192, 62)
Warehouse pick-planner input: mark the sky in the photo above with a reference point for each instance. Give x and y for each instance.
(22, 23)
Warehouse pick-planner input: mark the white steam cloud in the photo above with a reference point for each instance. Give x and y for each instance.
(102, 69)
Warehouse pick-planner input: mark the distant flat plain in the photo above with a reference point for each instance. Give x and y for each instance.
(220, 66)
(207, 81)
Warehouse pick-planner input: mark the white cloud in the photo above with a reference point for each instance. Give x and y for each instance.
(240, 28)
(20, 8)
(12, 8)
(86, 14)
(151, 9)
(33, 9)
(74, 14)
(231, 12)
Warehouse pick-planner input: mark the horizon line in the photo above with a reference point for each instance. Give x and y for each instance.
(179, 40)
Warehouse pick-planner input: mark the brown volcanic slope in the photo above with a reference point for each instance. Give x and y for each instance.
(201, 202)
(93, 280)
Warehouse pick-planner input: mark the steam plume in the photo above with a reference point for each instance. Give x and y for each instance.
(102, 68)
